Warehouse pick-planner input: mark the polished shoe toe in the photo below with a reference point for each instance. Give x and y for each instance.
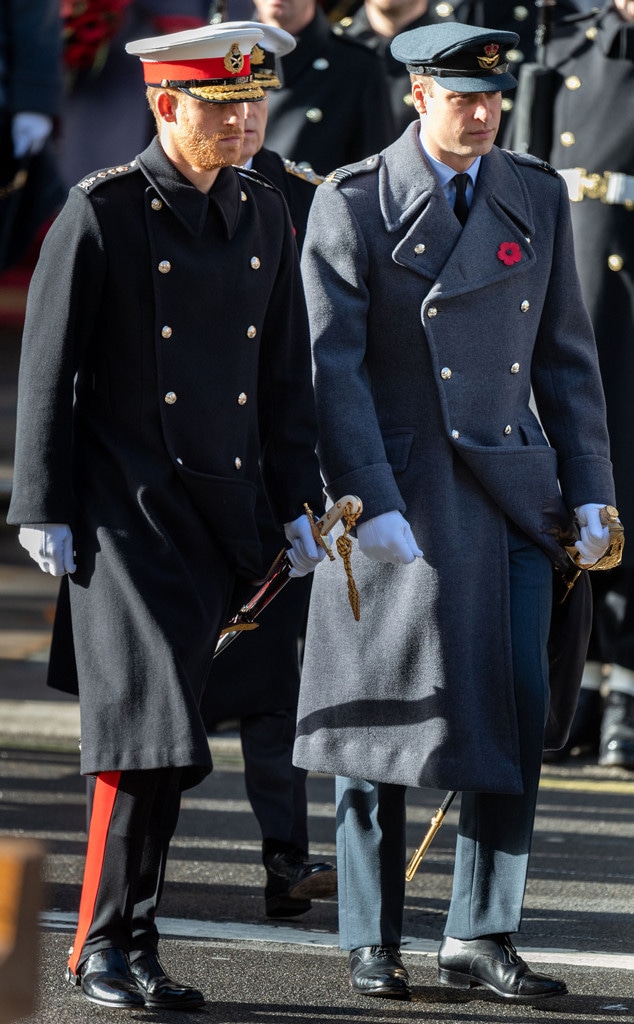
(158, 989)
(379, 971)
(292, 881)
(493, 961)
(105, 978)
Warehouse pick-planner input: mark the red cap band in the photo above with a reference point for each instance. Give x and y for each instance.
(202, 70)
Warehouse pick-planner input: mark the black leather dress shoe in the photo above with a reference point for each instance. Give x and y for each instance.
(379, 971)
(292, 881)
(105, 978)
(494, 962)
(157, 989)
(617, 731)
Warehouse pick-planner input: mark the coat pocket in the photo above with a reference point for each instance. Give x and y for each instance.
(228, 507)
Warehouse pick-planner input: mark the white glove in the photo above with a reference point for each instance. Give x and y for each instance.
(304, 553)
(29, 132)
(595, 537)
(388, 538)
(50, 545)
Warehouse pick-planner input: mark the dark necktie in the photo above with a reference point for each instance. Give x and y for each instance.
(460, 206)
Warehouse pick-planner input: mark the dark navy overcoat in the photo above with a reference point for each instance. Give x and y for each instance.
(427, 339)
(165, 358)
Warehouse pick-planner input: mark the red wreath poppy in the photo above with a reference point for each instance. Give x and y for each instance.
(509, 253)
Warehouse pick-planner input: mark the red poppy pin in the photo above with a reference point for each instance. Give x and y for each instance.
(509, 253)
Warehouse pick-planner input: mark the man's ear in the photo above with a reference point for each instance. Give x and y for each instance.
(167, 104)
(419, 98)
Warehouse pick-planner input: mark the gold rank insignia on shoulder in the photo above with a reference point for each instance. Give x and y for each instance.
(305, 171)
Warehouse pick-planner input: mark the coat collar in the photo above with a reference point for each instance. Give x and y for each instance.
(411, 198)
(187, 202)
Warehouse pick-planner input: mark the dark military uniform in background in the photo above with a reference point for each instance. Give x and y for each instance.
(591, 126)
(333, 107)
(256, 680)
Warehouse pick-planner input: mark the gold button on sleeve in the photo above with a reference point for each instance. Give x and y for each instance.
(242, 398)
(251, 331)
(164, 267)
(170, 397)
(166, 332)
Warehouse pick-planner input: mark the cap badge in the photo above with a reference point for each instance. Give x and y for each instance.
(491, 57)
(234, 61)
(257, 55)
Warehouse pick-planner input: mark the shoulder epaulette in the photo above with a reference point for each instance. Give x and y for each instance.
(532, 161)
(253, 175)
(351, 170)
(305, 172)
(107, 174)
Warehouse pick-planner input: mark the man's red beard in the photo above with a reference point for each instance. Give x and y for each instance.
(206, 151)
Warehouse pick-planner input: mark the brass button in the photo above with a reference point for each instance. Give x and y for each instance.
(314, 115)
(507, 104)
(615, 262)
(237, 462)
(455, 434)
(592, 33)
(525, 306)
(514, 56)
(164, 267)
(418, 249)
(321, 64)
(170, 397)
(408, 99)
(432, 311)
(445, 373)
(444, 10)
(573, 82)
(515, 367)
(242, 398)
(567, 139)
(520, 13)
(255, 263)
(251, 331)
(156, 204)
(166, 332)
(243, 197)
(508, 428)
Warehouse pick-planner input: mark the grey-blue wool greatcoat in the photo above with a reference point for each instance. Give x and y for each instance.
(426, 343)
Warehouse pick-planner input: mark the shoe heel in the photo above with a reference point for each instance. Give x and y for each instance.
(454, 978)
(72, 979)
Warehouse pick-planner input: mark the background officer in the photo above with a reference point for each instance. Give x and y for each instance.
(256, 680)
(588, 135)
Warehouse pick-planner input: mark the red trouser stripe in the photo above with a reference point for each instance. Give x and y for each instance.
(106, 789)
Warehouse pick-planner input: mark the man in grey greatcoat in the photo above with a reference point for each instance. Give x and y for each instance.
(165, 361)
(429, 325)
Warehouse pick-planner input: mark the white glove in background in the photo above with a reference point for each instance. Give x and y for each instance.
(595, 537)
(304, 553)
(30, 131)
(50, 545)
(388, 538)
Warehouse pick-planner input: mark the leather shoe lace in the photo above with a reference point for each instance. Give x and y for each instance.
(105, 978)
(292, 881)
(158, 989)
(379, 971)
(494, 962)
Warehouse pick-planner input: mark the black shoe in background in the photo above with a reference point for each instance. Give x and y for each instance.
(292, 881)
(617, 731)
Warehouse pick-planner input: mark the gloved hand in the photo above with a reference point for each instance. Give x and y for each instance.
(595, 537)
(388, 538)
(304, 553)
(30, 131)
(50, 545)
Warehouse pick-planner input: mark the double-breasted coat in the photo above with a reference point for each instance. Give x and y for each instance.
(165, 360)
(427, 339)
(592, 126)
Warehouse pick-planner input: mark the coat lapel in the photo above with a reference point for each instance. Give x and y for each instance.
(435, 246)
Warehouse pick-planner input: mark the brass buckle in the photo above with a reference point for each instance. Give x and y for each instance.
(591, 186)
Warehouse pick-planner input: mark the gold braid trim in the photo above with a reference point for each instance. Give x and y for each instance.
(229, 93)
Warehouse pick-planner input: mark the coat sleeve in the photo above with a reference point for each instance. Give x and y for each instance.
(335, 267)
(64, 295)
(571, 403)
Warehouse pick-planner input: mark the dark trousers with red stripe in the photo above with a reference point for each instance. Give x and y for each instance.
(133, 818)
